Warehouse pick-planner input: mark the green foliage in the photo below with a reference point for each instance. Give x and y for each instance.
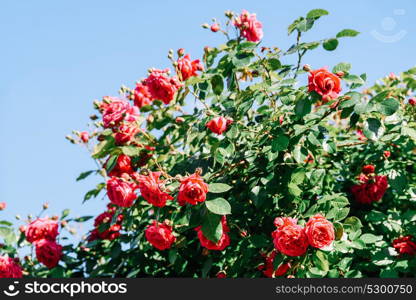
(287, 153)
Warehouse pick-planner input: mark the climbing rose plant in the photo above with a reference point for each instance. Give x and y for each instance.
(245, 162)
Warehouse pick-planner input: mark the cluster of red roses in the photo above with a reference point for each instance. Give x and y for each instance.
(159, 86)
(371, 187)
(42, 232)
(291, 239)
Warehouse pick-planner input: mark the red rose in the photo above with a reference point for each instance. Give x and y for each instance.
(116, 110)
(268, 267)
(320, 232)
(121, 192)
(84, 136)
(223, 242)
(412, 101)
(161, 86)
(325, 83)
(386, 154)
(126, 132)
(291, 240)
(405, 245)
(279, 222)
(371, 190)
(215, 27)
(41, 228)
(3, 205)
(219, 124)
(122, 165)
(48, 253)
(110, 233)
(188, 68)
(9, 268)
(160, 235)
(193, 190)
(151, 189)
(368, 169)
(142, 95)
(249, 26)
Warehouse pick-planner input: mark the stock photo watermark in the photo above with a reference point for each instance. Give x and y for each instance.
(390, 33)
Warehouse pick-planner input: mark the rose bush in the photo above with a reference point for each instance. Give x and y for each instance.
(243, 164)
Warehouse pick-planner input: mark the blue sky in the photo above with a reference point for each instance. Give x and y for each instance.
(58, 56)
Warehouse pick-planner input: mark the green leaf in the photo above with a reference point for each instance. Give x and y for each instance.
(273, 64)
(388, 106)
(217, 84)
(320, 260)
(294, 190)
(83, 219)
(353, 79)
(342, 67)
(330, 44)
(212, 227)
(218, 188)
(218, 206)
(373, 129)
(353, 224)
(316, 13)
(342, 214)
(304, 25)
(303, 107)
(111, 163)
(65, 213)
(84, 175)
(280, 143)
(409, 132)
(339, 230)
(347, 33)
(102, 148)
(5, 232)
(131, 150)
(369, 238)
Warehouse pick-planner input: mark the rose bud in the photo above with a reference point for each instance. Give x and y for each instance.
(221, 274)
(215, 27)
(179, 120)
(3, 205)
(84, 136)
(386, 154)
(412, 101)
(368, 169)
(307, 68)
(45, 205)
(180, 52)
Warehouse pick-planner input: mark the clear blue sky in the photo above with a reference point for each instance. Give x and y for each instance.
(56, 57)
